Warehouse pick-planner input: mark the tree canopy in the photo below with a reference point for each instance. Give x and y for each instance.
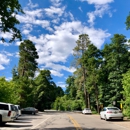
(8, 21)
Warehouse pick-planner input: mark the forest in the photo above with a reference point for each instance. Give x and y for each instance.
(101, 78)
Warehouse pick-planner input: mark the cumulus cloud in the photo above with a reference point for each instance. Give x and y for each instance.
(57, 47)
(4, 60)
(59, 34)
(31, 5)
(99, 2)
(99, 11)
(4, 43)
(56, 2)
(6, 35)
(52, 11)
(61, 84)
(33, 17)
(101, 7)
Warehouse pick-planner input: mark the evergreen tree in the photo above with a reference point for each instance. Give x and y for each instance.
(82, 45)
(27, 62)
(92, 59)
(44, 90)
(128, 22)
(126, 93)
(116, 63)
(26, 70)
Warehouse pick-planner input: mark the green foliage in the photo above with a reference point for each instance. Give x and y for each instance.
(45, 91)
(116, 62)
(8, 21)
(66, 104)
(126, 93)
(128, 22)
(8, 91)
(27, 62)
(82, 45)
(5, 90)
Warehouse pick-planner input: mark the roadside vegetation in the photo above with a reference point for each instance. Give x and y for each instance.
(102, 76)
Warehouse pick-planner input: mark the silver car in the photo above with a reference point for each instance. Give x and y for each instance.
(108, 113)
(86, 111)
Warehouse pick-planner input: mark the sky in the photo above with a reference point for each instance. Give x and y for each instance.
(54, 27)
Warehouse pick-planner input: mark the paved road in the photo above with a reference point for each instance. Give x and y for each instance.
(64, 121)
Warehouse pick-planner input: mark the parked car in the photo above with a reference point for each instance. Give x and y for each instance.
(29, 110)
(17, 113)
(7, 112)
(86, 111)
(19, 109)
(108, 113)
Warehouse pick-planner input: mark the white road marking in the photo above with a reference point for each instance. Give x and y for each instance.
(40, 123)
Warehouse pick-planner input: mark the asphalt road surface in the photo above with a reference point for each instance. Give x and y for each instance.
(54, 120)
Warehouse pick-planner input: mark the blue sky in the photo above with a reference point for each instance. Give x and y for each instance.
(54, 26)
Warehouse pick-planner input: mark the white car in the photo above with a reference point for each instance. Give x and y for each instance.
(86, 111)
(7, 112)
(108, 113)
(19, 109)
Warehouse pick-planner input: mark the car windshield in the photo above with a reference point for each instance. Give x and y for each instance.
(87, 109)
(113, 108)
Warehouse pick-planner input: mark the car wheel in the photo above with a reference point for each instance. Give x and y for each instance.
(33, 113)
(122, 119)
(100, 117)
(3, 123)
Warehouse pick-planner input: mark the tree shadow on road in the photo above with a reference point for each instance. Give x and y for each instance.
(74, 128)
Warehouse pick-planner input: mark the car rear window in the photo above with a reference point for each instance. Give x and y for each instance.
(113, 108)
(19, 107)
(12, 107)
(4, 107)
(87, 108)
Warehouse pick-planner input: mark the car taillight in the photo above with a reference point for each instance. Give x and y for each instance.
(9, 113)
(109, 111)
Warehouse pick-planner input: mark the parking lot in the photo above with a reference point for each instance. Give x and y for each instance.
(25, 122)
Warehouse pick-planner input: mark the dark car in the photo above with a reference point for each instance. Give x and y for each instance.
(29, 110)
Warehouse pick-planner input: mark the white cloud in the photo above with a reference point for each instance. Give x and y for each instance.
(99, 2)
(56, 20)
(52, 11)
(9, 78)
(31, 5)
(57, 47)
(18, 43)
(56, 73)
(2, 67)
(56, 2)
(61, 84)
(34, 18)
(80, 9)
(4, 43)
(100, 10)
(101, 7)
(6, 35)
(71, 16)
(3, 60)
